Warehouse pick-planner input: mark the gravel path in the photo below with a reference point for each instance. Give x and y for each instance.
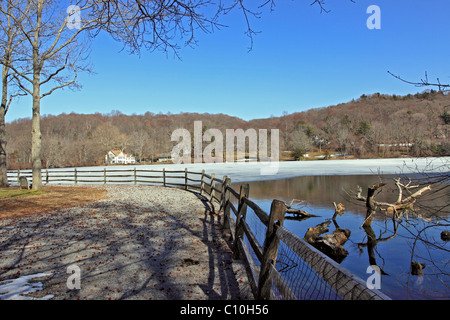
(141, 242)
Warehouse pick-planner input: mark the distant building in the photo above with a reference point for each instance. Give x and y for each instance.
(396, 146)
(400, 145)
(164, 158)
(116, 156)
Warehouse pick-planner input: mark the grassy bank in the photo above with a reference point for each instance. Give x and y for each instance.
(14, 201)
(11, 193)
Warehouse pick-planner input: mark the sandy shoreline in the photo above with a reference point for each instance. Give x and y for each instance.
(141, 242)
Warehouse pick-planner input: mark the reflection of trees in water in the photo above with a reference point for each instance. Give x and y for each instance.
(416, 226)
(315, 190)
(426, 249)
(421, 208)
(429, 251)
(373, 240)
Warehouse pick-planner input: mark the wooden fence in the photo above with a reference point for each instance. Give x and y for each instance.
(260, 259)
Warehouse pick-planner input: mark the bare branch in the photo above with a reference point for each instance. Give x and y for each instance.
(54, 74)
(321, 4)
(416, 195)
(66, 84)
(11, 97)
(424, 82)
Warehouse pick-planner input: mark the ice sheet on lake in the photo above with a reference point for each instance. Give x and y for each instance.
(254, 171)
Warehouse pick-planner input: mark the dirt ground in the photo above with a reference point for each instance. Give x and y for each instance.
(127, 242)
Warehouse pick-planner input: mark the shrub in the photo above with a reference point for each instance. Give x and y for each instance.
(298, 153)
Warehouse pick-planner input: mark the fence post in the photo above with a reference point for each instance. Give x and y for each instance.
(242, 212)
(185, 178)
(226, 208)
(270, 249)
(164, 177)
(202, 183)
(212, 186)
(222, 193)
(104, 175)
(134, 175)
(76, 176)
(46, 176)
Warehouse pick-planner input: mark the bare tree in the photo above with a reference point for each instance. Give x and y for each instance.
(108, 137)
(53, 33)
(139, 140)
(56, 57)
(11, 51)
(53, 149)
(301, 143)
(342, 137)
(160, 25)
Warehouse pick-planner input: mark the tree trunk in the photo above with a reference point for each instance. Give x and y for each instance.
(3, 173)
(313, 233)
(36, 136)
(36, 119)
(370, 204)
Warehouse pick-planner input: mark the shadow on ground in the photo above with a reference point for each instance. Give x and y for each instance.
(126, 249)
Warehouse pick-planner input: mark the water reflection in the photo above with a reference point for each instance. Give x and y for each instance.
(317, 191)
(387, 243)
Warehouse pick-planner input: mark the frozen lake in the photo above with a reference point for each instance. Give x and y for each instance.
(248, 172)
(264, 171)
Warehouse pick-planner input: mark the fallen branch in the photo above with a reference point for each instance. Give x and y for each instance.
(330, 244)
(301, 213)
(338, 210)
(298, 213)
(401, 204)
(313, 233)
(416, 194)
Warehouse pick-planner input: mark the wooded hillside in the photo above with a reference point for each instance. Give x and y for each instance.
(371, 126)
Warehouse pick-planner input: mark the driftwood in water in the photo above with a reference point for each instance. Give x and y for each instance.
(370, 204)
(300, 214)
(314, 233)
(445, 235)
(402, 204)
(338, 210)
(330, 244)
(297, 214)
(417, 268)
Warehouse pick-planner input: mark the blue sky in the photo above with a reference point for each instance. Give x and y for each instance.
(302, 59)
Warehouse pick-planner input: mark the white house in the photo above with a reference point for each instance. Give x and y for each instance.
(116, 156)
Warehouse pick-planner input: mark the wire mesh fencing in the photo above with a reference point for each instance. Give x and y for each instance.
(303, 272)
(283, 266)
(299, 278)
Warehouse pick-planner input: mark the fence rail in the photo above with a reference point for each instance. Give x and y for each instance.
(279, 264)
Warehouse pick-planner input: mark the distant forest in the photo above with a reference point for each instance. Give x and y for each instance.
(371, 126)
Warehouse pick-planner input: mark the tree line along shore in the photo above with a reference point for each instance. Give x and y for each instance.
(372, 126)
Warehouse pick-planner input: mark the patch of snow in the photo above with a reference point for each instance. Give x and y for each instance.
(17, 289)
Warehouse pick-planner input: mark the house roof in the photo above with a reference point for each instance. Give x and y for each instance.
(117, 152)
